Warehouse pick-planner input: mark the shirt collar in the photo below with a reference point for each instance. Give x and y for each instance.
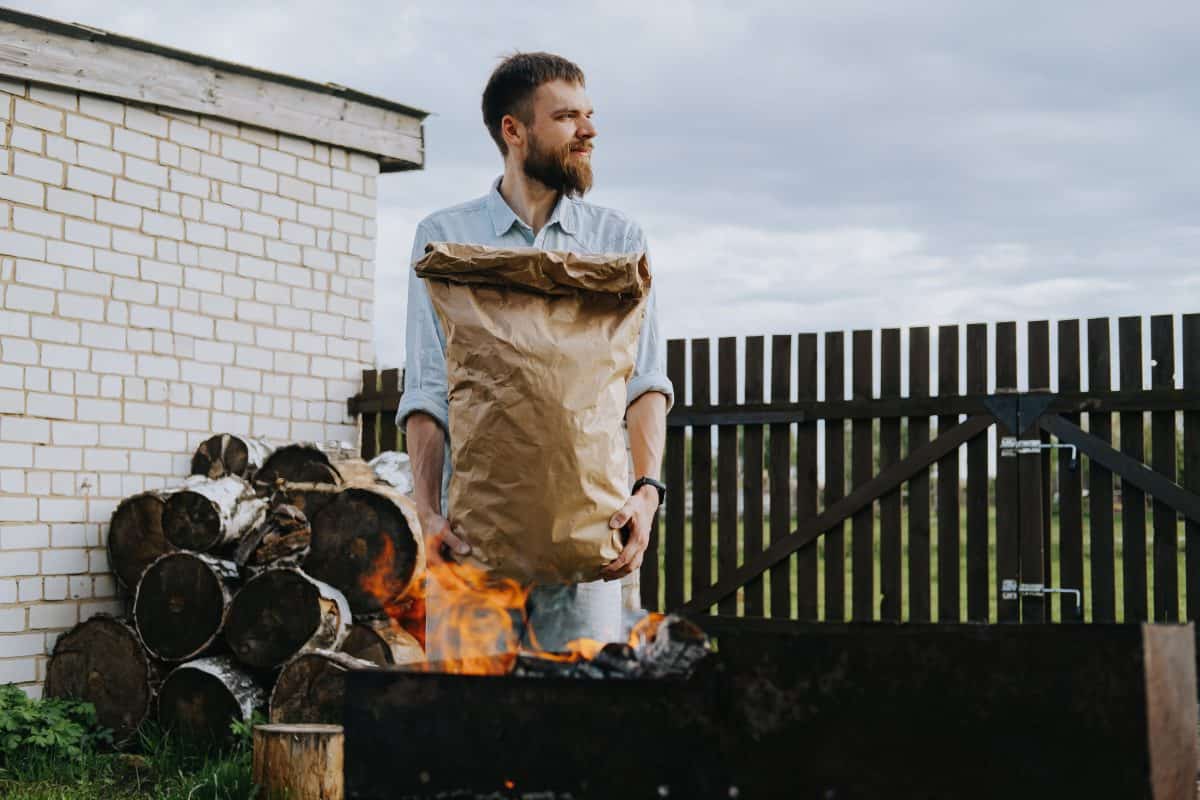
(503, 217)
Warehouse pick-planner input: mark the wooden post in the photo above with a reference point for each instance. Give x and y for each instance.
(300, 762)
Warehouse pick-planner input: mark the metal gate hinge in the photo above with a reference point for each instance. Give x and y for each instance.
(1010, 589)
(1012, 446)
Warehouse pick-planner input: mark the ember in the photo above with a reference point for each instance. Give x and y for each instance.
(481, 631)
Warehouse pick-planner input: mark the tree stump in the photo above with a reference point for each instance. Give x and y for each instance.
(181, 603)
(295, 463)
(301, 762)
(311, 686)
(135, 536)
(103, 662)
(282, 612)
(382, 642)
(366, 542)
(205, 515)
(281, 540)
(200, 699)
(227, 454)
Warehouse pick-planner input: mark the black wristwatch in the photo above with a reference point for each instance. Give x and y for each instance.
(658, 485)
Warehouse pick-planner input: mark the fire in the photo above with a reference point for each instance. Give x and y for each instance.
(479, 631)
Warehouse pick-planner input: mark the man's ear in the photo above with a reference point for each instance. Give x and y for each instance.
(513, 131)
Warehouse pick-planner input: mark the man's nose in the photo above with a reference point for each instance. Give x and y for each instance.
(586, 129)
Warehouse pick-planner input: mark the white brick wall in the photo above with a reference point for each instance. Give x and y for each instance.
(162, 276)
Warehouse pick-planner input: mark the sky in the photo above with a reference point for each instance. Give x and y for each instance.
(797, 166)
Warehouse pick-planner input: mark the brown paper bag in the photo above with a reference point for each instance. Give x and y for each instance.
(539, 348)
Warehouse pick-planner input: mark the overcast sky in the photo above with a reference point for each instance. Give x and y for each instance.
(829, 164)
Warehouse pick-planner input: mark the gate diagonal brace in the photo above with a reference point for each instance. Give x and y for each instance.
(1018, 411)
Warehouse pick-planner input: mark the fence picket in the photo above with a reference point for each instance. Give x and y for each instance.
(674, 473)
(835, 478)
(1191, 459)
(918, 487)
(389, 438)
(1162, 432)
(779, 475)
(890, 546)
(806, 476)
(727, 470)
(1038, 349)
(979, 585)
(752, 484)
(1070, 479)
(1100, 483)
(948, 553)
(1133, 499)
(862, 455)
(370, 390)
(701, 550)
(1008, 493)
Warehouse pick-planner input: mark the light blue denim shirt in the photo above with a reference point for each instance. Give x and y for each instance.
(574, 226)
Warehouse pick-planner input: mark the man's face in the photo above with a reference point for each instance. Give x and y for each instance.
(559, 149)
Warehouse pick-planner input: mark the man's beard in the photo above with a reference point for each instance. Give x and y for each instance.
(559, 170)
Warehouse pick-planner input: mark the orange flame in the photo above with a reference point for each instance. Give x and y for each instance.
(482, 616)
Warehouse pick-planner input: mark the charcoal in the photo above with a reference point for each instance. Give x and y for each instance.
(678, 645)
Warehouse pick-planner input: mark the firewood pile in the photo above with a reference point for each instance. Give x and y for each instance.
(247, 588)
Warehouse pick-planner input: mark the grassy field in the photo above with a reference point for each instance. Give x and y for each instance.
(1052, 580)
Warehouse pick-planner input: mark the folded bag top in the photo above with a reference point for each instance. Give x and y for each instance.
(540, 348)
(547, 272)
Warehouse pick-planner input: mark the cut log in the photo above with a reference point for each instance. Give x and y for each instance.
(181, 603)
(201, 698)
(205, 515)
(311, 686)
(281, 540)
(103, 662)
(299, 761)
(382, 642)
(366, 542)
(135, 536)
(282, 612)
(227, 454)
(295, 463)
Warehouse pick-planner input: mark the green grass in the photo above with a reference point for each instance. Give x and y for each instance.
(164, 769)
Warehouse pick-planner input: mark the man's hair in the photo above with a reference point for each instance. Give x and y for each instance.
(510, 88)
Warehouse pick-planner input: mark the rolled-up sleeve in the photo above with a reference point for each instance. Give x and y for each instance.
(650, 372)
(424, 345)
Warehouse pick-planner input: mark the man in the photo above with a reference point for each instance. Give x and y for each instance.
(536, 110)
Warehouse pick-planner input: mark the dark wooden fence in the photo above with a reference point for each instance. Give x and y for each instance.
(863, 476)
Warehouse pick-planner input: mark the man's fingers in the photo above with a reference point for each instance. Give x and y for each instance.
(621, 517)
(458, 545)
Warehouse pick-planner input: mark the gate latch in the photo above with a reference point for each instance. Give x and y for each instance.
(1010, 589)
(1012, 446)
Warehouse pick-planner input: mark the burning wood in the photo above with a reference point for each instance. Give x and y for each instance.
(659, 647)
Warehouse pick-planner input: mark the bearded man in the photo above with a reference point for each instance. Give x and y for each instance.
(537, 112)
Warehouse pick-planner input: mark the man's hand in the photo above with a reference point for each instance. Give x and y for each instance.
(635, 517)
(440, 542)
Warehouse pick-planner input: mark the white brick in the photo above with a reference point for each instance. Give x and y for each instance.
(277, 162)
(58, 458)
(61, 149)
(37, 222)
(162, 225)
(192, 325)
(80, 307)
(126, 241)
(27, 298)
(53, 615)
(51, 329)
(100, 158)
(55, 509)
(18, 670)
(19, 351)
(89, 181)
(189, 184)
(260, 179)
(20, 190)
(314, 173)
(105, 362)
(204, 234)
(135, 193)
(68, 202)
(146, 122)
(80, 587)
(238, 150)
(22, 245)
(48, 119)
(135, 144)
(363, 165)
(103, 109)
(279, 207)
(120, 436)
(126, 216)
(30, 644)
(92, 409)
(316, 217)
(298, 234)
(158, 367)
(56, 355)
(347, 181)
(87, 233)
(195, 419)
(261, 225)
(299, 147)
(142, 171)
(189, 135)
(111, 607)
(54, 588)
(296, 189)
(166, 441)
(149, 317)
(219, 168)
(26, 139)
(111, 337)
(145, 414)
(53, 96)
(88, 130)
(332, 198)
(37, 168)
(38, 273)
(23, 562)
(75, 434)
